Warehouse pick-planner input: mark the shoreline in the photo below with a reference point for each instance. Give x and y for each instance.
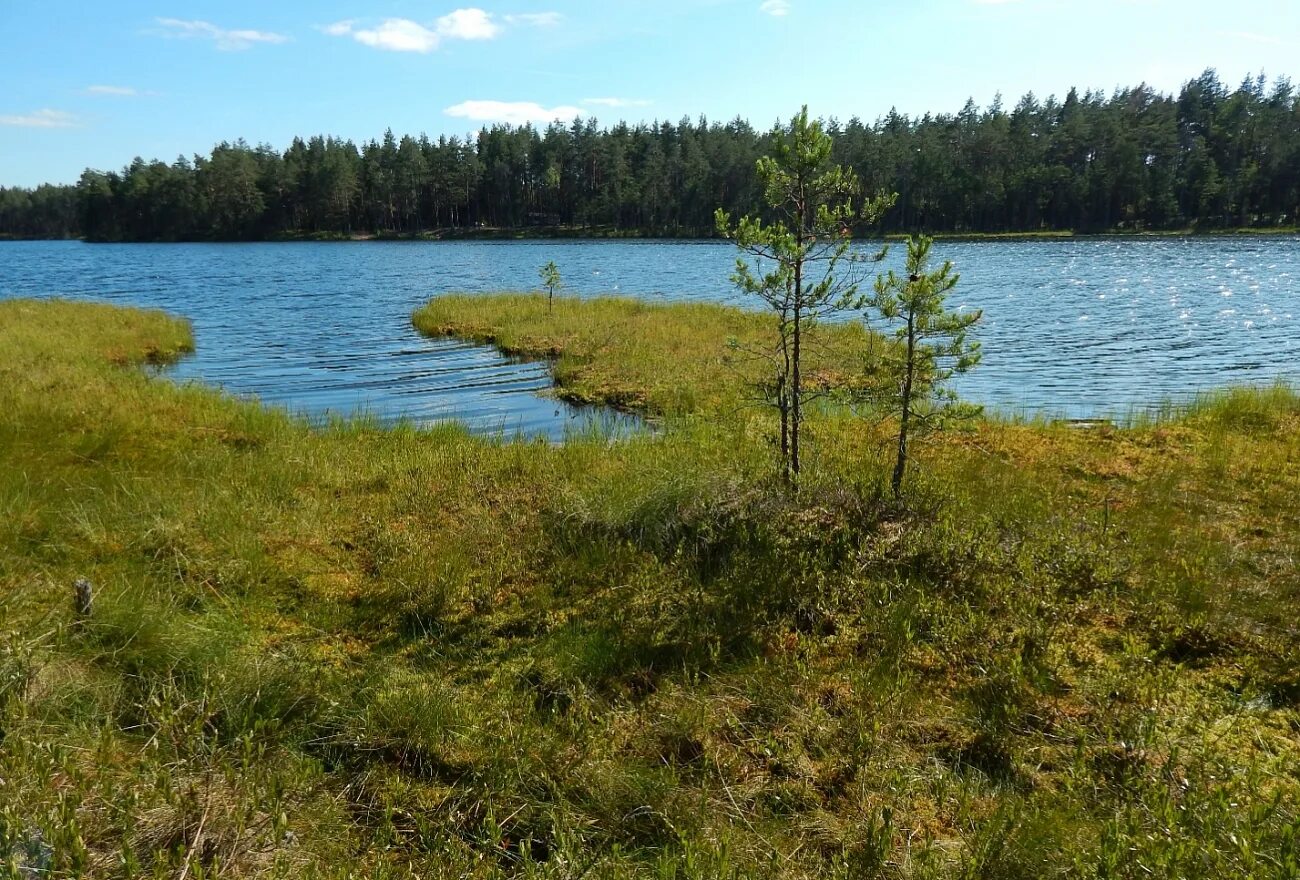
(585, 345)
(576, 234)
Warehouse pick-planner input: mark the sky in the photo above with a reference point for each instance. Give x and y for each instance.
(86, 83)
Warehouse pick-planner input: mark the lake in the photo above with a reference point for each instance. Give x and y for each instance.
(1075, 328)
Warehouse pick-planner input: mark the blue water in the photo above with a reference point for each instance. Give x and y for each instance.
(1071, 328)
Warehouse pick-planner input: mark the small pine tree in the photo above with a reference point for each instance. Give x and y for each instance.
(550, 275)
(803, 259)
(932, 348)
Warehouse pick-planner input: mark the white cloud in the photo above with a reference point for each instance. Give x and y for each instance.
(41, 119)
(398, 35)
(776, 8)
(468, 24)
(115, 91)
(616, 102)
(511, 112)
(405, 35)
(535, 19)
(226, 40)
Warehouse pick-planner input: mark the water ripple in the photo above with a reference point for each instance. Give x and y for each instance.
(1081, 328)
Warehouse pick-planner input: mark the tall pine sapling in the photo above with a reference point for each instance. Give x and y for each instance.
(803, 260)
(931, 348)
(550, 275)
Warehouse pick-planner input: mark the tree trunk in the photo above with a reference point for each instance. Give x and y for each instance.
(796, 373)
(783, 403)
(783, 406)
(796, 378)
(901, 464)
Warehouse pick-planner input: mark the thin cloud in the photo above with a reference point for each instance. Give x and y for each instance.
(225, 40)
(510, 112)
(42, 119)
(339, 28)
(1262, 39)
(535, 19)
(616, 102)
(114, 91)
(775, 8)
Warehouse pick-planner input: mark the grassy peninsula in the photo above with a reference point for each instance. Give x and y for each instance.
(682, 360)
(355, 652)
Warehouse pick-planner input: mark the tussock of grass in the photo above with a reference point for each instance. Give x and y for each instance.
(350, 652)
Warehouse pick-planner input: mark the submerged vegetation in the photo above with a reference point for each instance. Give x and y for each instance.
(354, 652)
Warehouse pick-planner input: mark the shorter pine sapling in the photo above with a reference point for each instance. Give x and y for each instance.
(931, 348)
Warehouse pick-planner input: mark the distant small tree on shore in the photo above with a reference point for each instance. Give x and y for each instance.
(550, 275)
(801, 258)
(931, 348)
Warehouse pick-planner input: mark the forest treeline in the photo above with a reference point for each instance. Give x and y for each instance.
(1209, 157)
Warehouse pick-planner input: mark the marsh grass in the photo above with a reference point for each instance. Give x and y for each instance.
(663, 360)
(344, 651)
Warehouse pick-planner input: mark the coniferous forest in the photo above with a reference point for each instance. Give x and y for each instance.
(1210, 157)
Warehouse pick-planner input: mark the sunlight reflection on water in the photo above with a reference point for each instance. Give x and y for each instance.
(1077, 328)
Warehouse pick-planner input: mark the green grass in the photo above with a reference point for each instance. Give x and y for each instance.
(664, 360)
(351, 652)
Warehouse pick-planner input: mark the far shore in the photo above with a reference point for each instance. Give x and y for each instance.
(579, 233)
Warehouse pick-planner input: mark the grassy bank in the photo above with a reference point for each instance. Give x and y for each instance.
(353, 652)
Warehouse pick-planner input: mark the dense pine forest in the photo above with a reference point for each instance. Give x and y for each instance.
(1211, 157)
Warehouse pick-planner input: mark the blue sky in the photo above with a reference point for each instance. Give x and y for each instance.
(93, 84)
